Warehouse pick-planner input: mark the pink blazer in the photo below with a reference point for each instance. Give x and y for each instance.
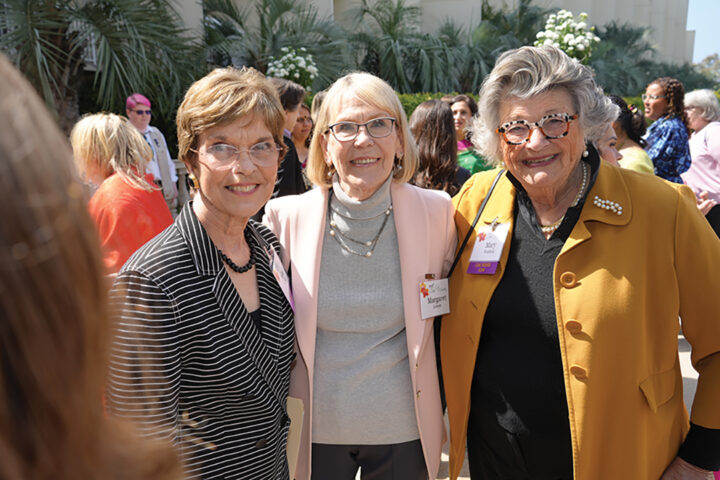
(426, 240)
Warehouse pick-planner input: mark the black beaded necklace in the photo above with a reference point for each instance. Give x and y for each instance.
(233, 266)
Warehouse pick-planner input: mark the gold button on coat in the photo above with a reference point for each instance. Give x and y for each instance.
(573, 326)
(578, 372)
(568, 279)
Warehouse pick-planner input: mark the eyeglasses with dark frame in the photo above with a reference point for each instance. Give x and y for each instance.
(262, 154)
(646, 96)
(376, 128)
(553, 126)
(143, 112)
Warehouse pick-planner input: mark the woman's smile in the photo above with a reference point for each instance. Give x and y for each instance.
(539, 161)
(365, 161)
(243, 188)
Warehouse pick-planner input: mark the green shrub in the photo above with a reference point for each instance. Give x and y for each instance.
(636, 100)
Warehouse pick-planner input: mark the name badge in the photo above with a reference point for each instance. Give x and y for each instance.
(434, 298)
(282, 278)
(488, 248)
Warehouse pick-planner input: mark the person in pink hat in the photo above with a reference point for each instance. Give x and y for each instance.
(162, 167)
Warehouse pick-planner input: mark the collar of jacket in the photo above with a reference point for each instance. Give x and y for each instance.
(203, 251)
(609, 186)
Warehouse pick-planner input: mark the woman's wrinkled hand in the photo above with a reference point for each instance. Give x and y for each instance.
(704, 203)
(679, 469)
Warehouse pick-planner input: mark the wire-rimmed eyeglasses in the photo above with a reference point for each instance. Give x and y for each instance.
(376, 128)
(646, 96)
(263, 154)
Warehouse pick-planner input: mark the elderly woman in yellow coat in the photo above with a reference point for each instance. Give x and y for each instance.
(560, 354)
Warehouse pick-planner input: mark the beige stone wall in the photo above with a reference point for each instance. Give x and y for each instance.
(191, 13)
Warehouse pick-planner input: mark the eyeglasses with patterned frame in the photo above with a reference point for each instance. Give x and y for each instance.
(553, 126)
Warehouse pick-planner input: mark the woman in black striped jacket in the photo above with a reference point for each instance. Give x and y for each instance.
(203, 332)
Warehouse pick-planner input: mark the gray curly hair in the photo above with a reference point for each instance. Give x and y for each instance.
(530, 71)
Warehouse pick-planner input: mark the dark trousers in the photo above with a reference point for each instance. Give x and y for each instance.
(494, 453)
(713, 218)
(398, 461)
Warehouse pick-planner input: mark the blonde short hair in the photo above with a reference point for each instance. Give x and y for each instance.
(221, 97)
(108, 143)
(530, 71)
(373, 91)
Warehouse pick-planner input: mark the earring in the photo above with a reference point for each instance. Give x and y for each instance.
(193, 181)
(585, 154)
(399, 162)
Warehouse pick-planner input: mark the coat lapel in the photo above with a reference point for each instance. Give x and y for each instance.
(413, 226)
(499, 207)
(264, 356)
(609, 187)
(307, 244)
(208, 263)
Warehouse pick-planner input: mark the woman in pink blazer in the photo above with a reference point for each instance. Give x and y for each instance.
(358, 247)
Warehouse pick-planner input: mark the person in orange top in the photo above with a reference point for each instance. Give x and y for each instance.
(127, 208)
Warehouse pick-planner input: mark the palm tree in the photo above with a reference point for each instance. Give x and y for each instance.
(498, 31)
(517, 27)
(224, 32)
(388, 43)
(233, 40)
(623, 58)
(138, 45)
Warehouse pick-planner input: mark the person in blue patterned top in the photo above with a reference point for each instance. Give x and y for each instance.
(667, 137)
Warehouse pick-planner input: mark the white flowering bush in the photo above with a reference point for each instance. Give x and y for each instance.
(296, 65)
(572, 37)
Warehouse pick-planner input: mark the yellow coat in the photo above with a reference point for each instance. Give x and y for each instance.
(620, 283)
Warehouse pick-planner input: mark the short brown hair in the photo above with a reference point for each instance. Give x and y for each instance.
(371, 90)
(221, 97)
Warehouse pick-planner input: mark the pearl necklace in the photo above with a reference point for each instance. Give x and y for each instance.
(554, 226)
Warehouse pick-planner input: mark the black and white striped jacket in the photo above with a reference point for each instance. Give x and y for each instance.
(189, 365)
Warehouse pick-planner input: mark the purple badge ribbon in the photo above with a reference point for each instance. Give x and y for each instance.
(482, 268)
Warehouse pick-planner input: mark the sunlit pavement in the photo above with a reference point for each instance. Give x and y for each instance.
(689, 374)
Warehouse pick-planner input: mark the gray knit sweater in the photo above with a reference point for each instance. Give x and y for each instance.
(362, 387)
